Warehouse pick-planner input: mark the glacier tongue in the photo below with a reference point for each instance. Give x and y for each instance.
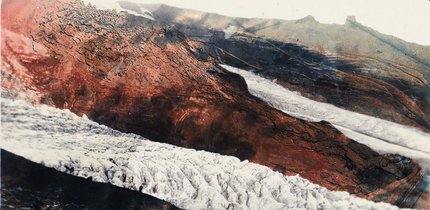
(188, 178)
(381, 135)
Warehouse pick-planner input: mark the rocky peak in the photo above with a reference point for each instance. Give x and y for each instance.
(350, 19)
(307, 19)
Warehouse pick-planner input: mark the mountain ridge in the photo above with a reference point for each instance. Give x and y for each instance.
(398, 67)
(149, 78)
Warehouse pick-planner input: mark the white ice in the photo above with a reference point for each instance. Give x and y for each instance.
(381, 135)
(229, 31)
(187, 178)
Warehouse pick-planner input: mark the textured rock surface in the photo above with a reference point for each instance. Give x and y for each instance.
(143, 77)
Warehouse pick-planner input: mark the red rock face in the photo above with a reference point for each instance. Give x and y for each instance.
(143, 77)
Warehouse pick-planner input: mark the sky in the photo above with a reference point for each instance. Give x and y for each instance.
(406, 19)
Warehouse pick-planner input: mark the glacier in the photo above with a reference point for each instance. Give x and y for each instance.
(187, 178)
(381, 135)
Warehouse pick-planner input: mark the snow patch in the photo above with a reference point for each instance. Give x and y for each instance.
(187, 178)
(381, 135)
(229, 31)
(114, 5)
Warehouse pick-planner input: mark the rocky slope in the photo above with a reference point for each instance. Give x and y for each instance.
(351, 66)
(147, 78)
(342, 39)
